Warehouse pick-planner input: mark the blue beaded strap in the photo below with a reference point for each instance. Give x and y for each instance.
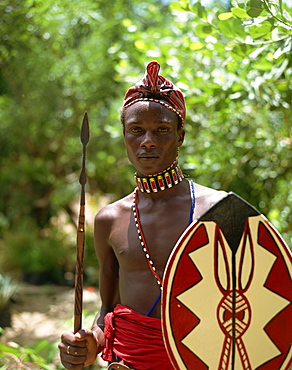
(154, 304)
(192, 186)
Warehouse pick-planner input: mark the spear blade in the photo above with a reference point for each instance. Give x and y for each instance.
(85, 130)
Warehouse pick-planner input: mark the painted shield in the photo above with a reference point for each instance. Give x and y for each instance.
(226, 302)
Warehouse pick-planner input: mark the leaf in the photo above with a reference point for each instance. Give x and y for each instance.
(224, 16)
(175, 5)
(287, 15)
(239, 13)
(263, 64)
(225, 28)
(260, 29)
(283, 49)
(278, 3)
(239, 51)
(199, 9)
(196, 46)
(258, 51)
(255, 8)
(182, 6)
(204, 29)
(231, 27)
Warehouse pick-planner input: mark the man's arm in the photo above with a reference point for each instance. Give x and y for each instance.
(108, 264)
(80, 349)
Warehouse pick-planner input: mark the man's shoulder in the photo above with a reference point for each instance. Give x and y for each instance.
(113, 210)
(212, 194)
(206, 198)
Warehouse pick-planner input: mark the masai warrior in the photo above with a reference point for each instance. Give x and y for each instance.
(135, 235)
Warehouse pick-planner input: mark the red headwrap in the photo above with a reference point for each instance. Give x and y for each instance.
(157, 85)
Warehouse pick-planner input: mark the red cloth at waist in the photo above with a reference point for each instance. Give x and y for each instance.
(135, 338)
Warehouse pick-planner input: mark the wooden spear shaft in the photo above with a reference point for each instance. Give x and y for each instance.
(81, 232)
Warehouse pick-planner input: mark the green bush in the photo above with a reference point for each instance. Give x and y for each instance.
(26, 252)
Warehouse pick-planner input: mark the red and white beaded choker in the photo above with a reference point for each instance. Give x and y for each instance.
(160, 181)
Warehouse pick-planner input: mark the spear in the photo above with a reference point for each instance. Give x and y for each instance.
(81, 232)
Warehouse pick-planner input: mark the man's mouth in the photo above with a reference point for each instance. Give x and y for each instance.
(148, 157)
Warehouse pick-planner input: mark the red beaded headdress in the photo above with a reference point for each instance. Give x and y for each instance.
(157, 85)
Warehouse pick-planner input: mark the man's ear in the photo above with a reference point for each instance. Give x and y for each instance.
(181, 136)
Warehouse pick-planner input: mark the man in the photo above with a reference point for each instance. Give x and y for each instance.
(135, 235)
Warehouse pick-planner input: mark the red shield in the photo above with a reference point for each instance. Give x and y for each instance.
(226, 301)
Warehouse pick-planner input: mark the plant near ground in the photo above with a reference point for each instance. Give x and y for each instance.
(7, 290)
(43, 355)
(39, 356)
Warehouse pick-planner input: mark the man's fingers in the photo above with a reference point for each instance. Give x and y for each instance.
(73, 340)
(83, 334)
(73, 362)
(76, 349)
(70, 366)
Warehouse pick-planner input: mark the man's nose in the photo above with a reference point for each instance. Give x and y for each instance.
(148, 140)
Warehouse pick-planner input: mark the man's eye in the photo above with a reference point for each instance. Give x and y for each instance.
(136, 130)
(163, 129)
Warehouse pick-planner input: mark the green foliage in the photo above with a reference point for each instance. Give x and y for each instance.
(26, 252)
(239, 100)
(39, 356)
(59, 59)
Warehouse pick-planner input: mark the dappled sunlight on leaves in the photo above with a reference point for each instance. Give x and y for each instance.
(59, 59)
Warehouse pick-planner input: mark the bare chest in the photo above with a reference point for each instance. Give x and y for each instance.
(161, 224)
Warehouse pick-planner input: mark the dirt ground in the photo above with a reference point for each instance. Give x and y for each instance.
(44, 312)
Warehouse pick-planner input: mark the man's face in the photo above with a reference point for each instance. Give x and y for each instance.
(151, 136)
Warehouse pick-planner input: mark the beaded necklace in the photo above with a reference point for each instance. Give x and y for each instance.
(142, 237)
(160, 181)
(143, 241)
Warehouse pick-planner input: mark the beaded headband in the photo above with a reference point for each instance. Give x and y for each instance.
(158, 89)
(156, 101)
